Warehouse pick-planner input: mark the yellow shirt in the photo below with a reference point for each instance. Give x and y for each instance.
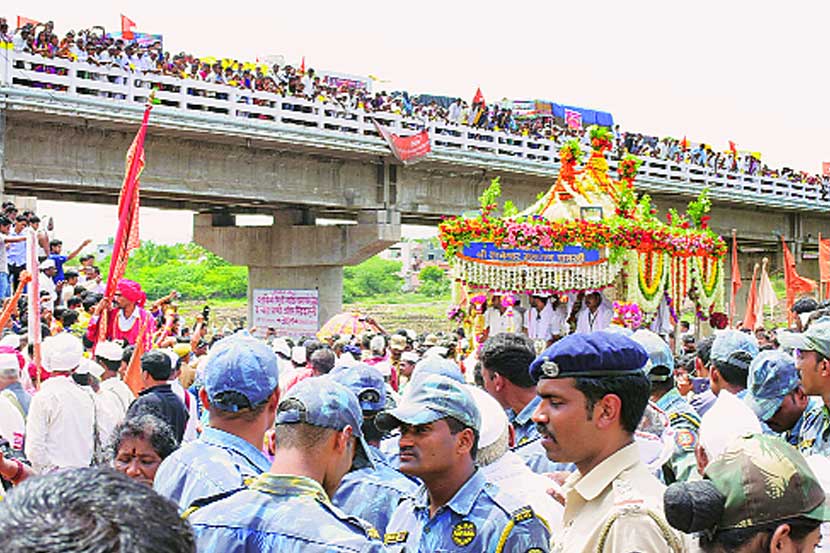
(621, 484)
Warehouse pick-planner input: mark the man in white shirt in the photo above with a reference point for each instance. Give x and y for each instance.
(115, 391)
(497, 320)
(545, 320)
(47, 271)
(596, 313)
(60, 429)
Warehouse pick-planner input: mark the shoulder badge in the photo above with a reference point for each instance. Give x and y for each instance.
(521, 515)
(463, 533)
(685, 439)
(393, 538)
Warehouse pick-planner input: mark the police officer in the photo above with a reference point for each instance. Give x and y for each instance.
(319, 438)
(241, 396)
(456, 509)
(812, 359)
(776, 396)
(370, 494)
(613, 503)
(682, 417)
(732, 353)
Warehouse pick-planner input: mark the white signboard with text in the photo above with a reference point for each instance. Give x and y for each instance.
(289, 312)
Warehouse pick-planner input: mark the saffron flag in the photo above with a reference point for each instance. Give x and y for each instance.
(684, 144)
(23, 21)
(126, 237)
(794, 283)
(407, 149)
(766, 294)
(751, 316)
(479, 97)
(127, 27)
(824, 264)
(302, 66)
(132, 376)
(736, 277)
(732, 148)
(573, 119)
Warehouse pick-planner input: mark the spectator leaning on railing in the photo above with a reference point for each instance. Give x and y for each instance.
(95, 47)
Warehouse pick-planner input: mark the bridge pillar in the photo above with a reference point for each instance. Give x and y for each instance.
(295, 253)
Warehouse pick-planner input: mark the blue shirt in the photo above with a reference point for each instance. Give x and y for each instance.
(814, 436)
(59, 261)
(686, 424)
(217, 462)
(373, 494)
(280, 513)
(16, 251)
(479, 517)
(535, 456)
(523, 423)
(792, 435)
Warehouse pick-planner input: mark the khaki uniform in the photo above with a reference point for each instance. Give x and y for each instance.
(620, 491)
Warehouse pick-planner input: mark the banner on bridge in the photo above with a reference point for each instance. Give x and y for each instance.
(408, 149)
(291, 313)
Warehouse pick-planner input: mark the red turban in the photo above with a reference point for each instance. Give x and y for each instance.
(132, 291)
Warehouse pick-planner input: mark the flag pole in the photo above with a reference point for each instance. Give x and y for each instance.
(821, 282)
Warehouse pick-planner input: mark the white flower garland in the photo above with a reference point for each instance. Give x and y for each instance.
(521, 278)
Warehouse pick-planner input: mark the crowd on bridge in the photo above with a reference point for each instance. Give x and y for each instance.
(568, 430)
(95, 46)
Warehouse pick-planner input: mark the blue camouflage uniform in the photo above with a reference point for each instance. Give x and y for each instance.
(814, 438)
(370, 494)
(291, 513)
(536, 458)
(241, 373)
(280, 513)
(793, 435)
(683, 419)
(216, 462)
(523, 423)
(479, 517)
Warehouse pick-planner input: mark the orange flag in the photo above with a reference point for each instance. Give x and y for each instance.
(479, 97)
(736, 276)
(793, 282)
(133, 375)
(23, 21)
(750, 318)
(684, 144)
(127, 27)
(824, 264)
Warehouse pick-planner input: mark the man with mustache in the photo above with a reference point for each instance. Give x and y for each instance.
(456, 508)
(594, 393)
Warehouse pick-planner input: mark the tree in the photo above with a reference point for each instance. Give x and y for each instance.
(434, 282)
(373, 277)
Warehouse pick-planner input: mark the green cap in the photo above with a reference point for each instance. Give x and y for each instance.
(764, 479)
(815, 338)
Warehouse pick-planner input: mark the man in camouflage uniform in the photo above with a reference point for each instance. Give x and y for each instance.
(370, 493)
(682, 417)
(776, 396)
(812, 359)
(456, 509)
(288, 509)
(759, 482)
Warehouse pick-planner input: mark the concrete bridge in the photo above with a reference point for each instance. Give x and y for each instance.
(221, 151)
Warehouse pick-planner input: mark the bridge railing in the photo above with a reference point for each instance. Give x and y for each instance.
(63, 77)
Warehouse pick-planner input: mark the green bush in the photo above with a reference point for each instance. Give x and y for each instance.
(373, 277)
(434, 282)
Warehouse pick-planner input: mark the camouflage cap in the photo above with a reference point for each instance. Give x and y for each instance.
(729, 341)
(659, 355)
(365, 382)
(328, 404)
(772, 375)
(429, 399)
(815, 338)
(764, 479)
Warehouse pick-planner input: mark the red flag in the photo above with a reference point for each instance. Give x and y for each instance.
(302, 66)
(126, 237)
(750, 319)
(684, 144)
(127, 27)
(407, 149)
(479, 97)
(732, 148)
(23, 21)
(736, 277)
(824, 264)
(793, 282)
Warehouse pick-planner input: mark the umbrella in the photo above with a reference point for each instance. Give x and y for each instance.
(352, 323)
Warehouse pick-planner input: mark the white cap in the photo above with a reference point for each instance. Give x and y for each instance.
(48, 264)
(410, 356)
(298, 355)
(9, 365)
(62, 352)
(715, 436)
(280, 345)
(88, 366)
(377, 344)
(11, 340)
(436, 351)
(493, 418)
(109, 351)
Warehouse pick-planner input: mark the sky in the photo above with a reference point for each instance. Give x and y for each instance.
(713, 71)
